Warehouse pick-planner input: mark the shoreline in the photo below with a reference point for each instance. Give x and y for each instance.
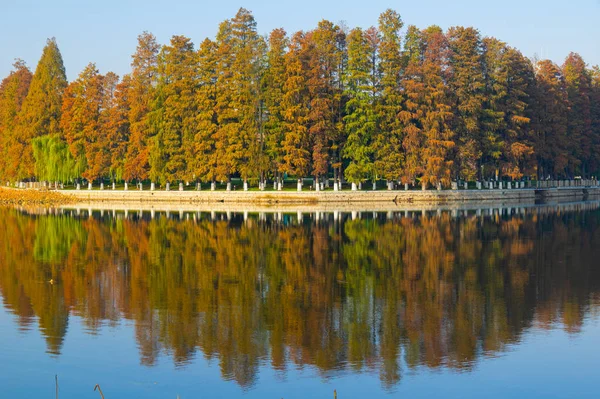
(331, 198)
(360, 200)
(238, 208)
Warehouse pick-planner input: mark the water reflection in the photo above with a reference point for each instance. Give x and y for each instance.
(380, 292)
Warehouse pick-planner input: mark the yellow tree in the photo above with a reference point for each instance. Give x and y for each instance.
(437, 120)
(13, 90)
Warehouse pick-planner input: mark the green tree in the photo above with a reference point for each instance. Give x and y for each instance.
(41, 111)
(143, 79)
(172, 119)
(550, 120)
(389, 157)
(115, 122)
(579, 123)
(324, 90)
(360, 120)
(273, 88)
(53, 160)
(239, 66)
(510, 82)
(594, 166)
(204, 161)
(468, 87)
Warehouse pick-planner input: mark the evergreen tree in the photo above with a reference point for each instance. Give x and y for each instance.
(594, 166)
(579, 123)
(204, 162)
(325, 97)
(172, 120)
(550, 121)
(41, 110)
(510, 81)
(115, 123)
(143, 79)
(273, 88)
(389, 157)
(240, 54)
(360, 122)
(468, 87)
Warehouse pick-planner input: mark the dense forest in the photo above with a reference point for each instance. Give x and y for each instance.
(387, 103)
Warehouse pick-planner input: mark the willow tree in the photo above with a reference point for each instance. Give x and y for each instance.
(41, 110)
(389, 157)
(53, 160)
(360, 120)
(13, 90)
(143, 79)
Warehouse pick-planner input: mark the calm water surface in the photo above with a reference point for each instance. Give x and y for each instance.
(489, 303)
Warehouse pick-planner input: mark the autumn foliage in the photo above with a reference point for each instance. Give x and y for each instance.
(394, 103)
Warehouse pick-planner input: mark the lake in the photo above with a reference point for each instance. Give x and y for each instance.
(491, 302)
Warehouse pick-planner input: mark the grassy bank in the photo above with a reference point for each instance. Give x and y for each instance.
(9, 196)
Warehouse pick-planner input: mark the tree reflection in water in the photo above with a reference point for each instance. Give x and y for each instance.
(373, 292)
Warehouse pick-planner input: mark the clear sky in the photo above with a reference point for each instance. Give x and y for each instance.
(105, 31)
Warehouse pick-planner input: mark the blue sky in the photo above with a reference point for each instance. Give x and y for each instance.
(105, 31)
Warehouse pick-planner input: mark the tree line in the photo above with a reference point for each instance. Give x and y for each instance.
(417, 106)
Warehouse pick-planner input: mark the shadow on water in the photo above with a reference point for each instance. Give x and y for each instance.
(343, 292)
